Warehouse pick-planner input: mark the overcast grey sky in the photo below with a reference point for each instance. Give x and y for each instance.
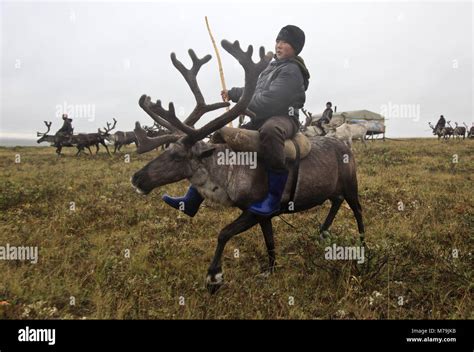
(98, 58)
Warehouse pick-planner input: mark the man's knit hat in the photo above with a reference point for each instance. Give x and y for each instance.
(292, 35)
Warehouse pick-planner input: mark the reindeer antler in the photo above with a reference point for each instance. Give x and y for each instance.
(48, 124)
(158, 113)
(111, 128)
(192, 135)
(145, 143)
(108, 128)
(168, 115)
(306, 113)
(146, 104)
(191, 78)
(252, 71)
(309, 118)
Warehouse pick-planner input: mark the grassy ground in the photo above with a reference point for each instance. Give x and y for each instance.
(84, 270)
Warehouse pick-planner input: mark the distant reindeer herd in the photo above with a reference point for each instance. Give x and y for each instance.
(82, 141)
(119, 139)
(457, 132)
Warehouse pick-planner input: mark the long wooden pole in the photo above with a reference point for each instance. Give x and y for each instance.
(219, 62)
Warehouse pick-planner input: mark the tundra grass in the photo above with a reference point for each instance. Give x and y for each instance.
(106, 252)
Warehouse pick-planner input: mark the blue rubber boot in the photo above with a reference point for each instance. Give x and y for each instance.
(189, 204)
(271, 203)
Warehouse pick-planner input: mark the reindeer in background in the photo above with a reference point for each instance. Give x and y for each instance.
(327, 172)
(443, 132)
(448, 130)
(459, 131)
(120, 138)
(80, 141)
(157, 130)
(312, 130)
(87, 140)
(470, 131)
(436, 131)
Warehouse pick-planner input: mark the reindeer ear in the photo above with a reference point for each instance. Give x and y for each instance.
(202, 150)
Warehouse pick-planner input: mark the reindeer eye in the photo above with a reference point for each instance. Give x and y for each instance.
(177, 155)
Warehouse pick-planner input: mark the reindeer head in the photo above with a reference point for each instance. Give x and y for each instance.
(435, 130)
(43, 135)
(182, 159)
(174, 164)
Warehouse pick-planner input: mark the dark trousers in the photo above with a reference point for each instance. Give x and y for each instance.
(273, 133)
(440, 126)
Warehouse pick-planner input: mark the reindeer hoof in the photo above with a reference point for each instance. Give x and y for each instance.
(214, 282)
(324, 234)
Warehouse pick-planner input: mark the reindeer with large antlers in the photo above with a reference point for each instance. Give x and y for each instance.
(448, 131)
(87, 140)
(56, 140)
(327, 172)
(459, 131)
(470, 131)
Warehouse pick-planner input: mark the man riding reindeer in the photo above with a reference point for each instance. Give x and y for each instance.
(440, 124)
(65, 132)
(279, 94)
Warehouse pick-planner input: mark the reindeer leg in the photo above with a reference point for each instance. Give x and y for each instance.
(96, 148)
(267, 229)
(354, 203)
(335, 205)
(106, 148)
(245, 221)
